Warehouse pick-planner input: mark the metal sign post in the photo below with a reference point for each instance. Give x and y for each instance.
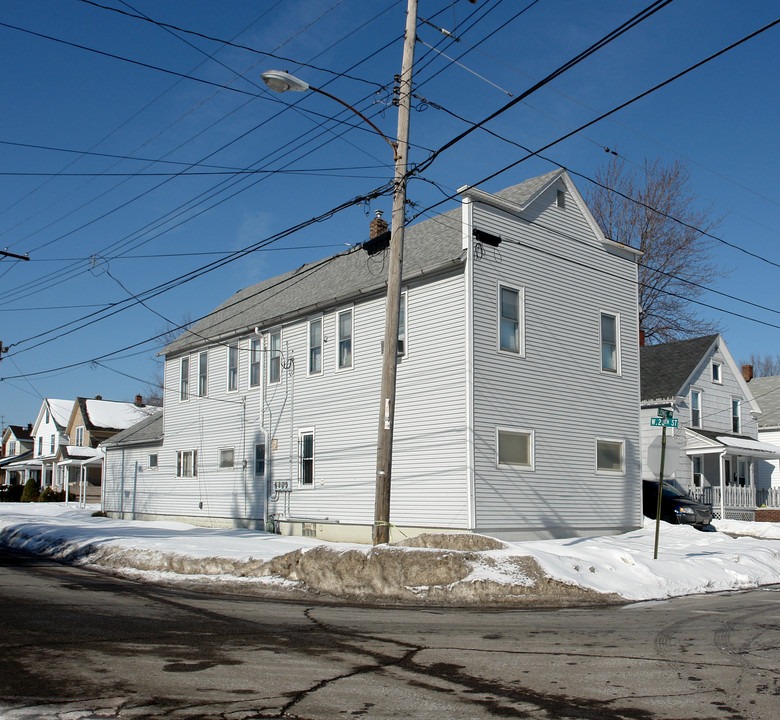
(666, 420)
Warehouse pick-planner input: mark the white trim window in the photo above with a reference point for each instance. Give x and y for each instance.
(51, 444)
(344, 337)
(401, 348)
(153, 461)
(306, 457)
(315, 346)
(696, 467)
(232, 367)
(716, 373)
(511, 301)
(255, 355)
(11, 448)
(514, 448)
(203, 374)
(736, 408)
(187, 463)
(226, 458)
(79, 436)
(184, 379)
(609, 331)
(275, 357)
(40, 445)
(260, 458)
(610, 456)
(696, 408)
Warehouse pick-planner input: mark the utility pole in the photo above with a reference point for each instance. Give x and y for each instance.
(384, 446)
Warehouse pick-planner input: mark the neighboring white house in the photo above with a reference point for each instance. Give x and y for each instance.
(48, 433)
(16, 451)
(767, 393)
(518, 381)
(718, 416)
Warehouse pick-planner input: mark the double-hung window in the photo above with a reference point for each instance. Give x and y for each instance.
(716, 376)
(232, 377)
(187, 463)
(153, 461)
(255, 354)
(510, 304)
(315, 346)
(695, 408)
(697, 470)
(79, 439)
(184, 379)
(736, 425)
(306, 457)
(610, 350)
(260, 458)
(610, 456)
(11, 448)
(203, 374)
(275, 356)
(51, 444)
(344, 322)
(40, 445)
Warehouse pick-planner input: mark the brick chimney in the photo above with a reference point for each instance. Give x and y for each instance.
(139, 400)
(641, 338)
(98, 397)
(377, 226)
(747, 372)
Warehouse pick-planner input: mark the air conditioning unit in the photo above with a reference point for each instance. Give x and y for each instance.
(281, 486)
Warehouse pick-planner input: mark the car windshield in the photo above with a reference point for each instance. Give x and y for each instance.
(670, 492)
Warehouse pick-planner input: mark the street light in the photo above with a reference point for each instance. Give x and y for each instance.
(282, 82)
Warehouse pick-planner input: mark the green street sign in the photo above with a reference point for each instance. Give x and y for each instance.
(665, 412)
(664, 422)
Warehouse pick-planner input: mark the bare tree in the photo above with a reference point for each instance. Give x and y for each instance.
(641, 208)
(764, 365)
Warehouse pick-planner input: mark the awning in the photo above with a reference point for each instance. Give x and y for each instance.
(707, 441)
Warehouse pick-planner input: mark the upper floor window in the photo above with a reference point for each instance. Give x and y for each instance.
(47, 414)
(735, 416)
(716, 376)
(12, 448)
(275, 356)
(610, 351)
(315, 346)
(184, 379)
(560, 199)
(306, 457)
(401, 347)
(695, 408)
(610, 456)
(255, 353)
(40, 445)
(344, 321)
(260, 458)
(203, 374)
(153, 461)
(232, 376)
(510, 303)
(79, 439)
(51, 443)
(187, 463)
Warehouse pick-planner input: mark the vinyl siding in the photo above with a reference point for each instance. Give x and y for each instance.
(557, 390)
(342, 408)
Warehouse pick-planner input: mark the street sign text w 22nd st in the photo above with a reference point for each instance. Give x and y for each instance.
(663, 422)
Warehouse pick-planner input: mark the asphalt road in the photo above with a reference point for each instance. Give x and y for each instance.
(77, 644)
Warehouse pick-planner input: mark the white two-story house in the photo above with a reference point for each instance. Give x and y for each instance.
(48, 434)
(517, 393)
(717, 433)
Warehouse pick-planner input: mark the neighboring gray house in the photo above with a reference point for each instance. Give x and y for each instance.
(766, 390)
(517, 394)
(718, 421)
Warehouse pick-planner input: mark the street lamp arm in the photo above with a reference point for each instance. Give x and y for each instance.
(392, 144)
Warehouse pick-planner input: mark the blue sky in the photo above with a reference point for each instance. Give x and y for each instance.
(97, 234)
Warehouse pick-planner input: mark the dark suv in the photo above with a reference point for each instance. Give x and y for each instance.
(675, 507)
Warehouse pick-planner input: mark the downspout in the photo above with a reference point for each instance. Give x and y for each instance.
(135, 485)
(122, 487)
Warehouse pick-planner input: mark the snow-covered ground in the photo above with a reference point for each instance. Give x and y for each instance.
(740, 555)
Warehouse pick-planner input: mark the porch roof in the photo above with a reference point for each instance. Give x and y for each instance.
(700, 441)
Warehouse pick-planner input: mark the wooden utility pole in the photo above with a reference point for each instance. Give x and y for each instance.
(384, 446)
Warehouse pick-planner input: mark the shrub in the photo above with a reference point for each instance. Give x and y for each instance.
(30, 492)
(12, 493)
(49, 495)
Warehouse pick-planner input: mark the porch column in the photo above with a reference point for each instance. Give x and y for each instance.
(722, 470)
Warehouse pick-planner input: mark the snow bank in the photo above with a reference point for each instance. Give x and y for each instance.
(453, 569)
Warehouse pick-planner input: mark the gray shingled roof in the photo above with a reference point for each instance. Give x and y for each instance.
(766, 391)
(665, 368)
(149, 430)
(428, 245)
